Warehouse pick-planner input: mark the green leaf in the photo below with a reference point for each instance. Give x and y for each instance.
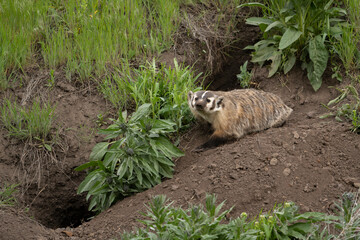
(276, 61)
(274, 24)
(168, 148)
(289, 37)
(122, 169)
(263, 54)
(99, 151)
(87, 165)
(258, 20)
(295, 234)
(142, 111)
(89, 181)
(289, 64)
(48, 147)
(319, 56)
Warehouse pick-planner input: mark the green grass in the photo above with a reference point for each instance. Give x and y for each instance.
(22, 123)
(165, 88)
(7, 195)
(85, 36)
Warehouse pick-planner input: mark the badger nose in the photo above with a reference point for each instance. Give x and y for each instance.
(199, 106)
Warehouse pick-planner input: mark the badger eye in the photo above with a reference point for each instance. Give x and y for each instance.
(208, 100)
(196, 98)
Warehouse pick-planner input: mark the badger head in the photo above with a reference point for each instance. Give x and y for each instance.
(205, 101)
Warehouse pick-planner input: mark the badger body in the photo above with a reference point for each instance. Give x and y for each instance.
(238, 112)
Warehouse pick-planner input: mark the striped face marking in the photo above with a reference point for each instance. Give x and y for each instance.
(203, 101)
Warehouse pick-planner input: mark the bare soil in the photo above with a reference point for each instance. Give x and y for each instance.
(309, 160)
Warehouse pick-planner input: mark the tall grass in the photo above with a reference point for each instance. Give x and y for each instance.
(164, 87)
(84, 35)
(22, 123)
(20, 28)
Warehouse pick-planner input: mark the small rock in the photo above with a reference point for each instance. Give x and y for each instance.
(306, 209)
(174, 187)
(65, 87)
(233, 175)
(296, 135)
(357, 184)
(311, 114)
(213, 165)
(273, 162)
(350, 180)
(68, 233)
(201, 171)
(287, 171)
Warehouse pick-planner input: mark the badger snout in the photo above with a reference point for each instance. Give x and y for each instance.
(200, 105)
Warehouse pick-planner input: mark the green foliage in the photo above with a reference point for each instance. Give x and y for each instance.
(344, 44)
(85, 36)
(164, 87)
(199, 222)
(349, 110)
(349, 217)
(22, 123)
(6, 195)
(296, 29)
(136, 156)
(244, 76)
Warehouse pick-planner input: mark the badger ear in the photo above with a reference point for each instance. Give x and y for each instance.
(219, 103)
(190, 95)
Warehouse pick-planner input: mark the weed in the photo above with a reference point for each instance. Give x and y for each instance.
(293, 29)
(350, 110)
(244, 77)
(164, 87)
(137, 158)
(7, 195)
(344, 43)
(34, 123)
(206, 222)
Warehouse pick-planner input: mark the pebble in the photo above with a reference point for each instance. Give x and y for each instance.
(357, 184)
(174, 187)
(273, 162)
(287, 171)
(296, 135)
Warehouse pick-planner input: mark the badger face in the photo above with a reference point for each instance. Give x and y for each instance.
(204, 101)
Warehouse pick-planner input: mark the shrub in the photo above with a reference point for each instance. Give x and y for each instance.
(136, 156)
(163, 221)
(296, 29)
(350, 110)
(244, 76)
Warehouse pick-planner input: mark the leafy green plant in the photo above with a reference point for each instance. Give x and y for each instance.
(136, 156)
(244, 76)
(164, 87)
(22, 123)
(7, 194)
(349, 110)
(198, 222)
(296, 29)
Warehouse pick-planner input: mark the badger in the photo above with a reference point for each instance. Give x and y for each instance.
(238, 112)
